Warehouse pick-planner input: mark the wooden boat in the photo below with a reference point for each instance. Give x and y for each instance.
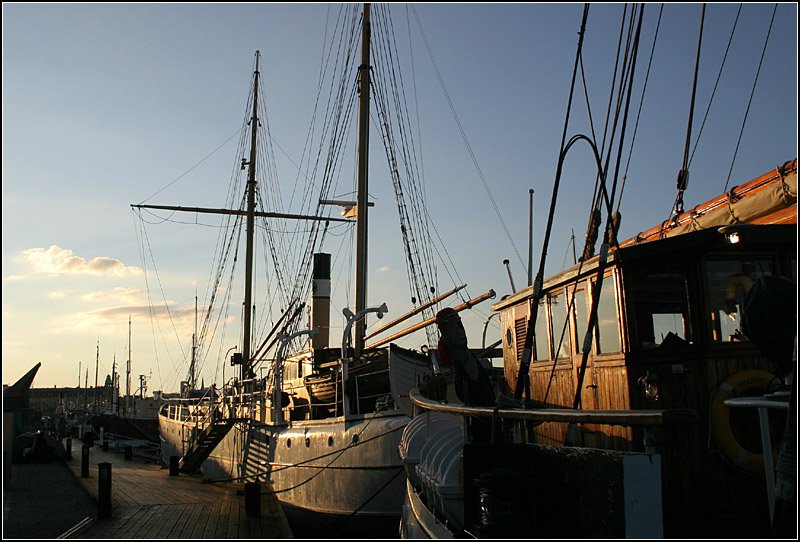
(614, 422)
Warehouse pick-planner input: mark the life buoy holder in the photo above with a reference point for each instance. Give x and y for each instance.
(745, 383)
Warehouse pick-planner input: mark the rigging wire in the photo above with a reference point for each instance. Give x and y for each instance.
(641, 103)
(466, 142)
(750, 100)
(683, 174)
(716, 83)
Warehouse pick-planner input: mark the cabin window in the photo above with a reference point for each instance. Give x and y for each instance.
(541, 343)
(661, 308)
(728, 283)
(581, 319)
(558, 313)
(608, 338)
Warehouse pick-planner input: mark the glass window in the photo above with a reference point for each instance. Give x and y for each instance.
(728, 282)
(540, 339)
(661, 308)
(581, 319)
(558, 312)
(608, 339)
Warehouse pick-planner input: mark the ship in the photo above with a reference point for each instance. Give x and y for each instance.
(315, 420)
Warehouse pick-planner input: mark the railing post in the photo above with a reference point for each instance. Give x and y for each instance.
(252, 499)
(173, 465)
(104, 490)
(85, 461)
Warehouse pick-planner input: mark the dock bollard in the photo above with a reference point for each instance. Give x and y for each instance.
(128, 452)
(173, 465)
(68, 448)
(85, 461)
(252, 499)
(104, 490)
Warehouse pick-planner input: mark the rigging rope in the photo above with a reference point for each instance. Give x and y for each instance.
(469, 147)
(641, 103)
(750, 100)
(716, 83)
(683, 174)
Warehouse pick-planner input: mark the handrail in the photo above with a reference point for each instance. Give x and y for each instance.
(672, 416)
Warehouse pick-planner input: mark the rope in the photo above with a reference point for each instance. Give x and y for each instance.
(525, 362)
(750, 100)
(641, 103)
(716, 83)
(683, 174)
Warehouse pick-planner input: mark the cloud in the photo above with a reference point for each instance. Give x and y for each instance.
(55, 261)
(384, 269)
(118, 295)
(56, 295)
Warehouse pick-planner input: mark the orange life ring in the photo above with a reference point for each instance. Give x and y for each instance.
(745, 383)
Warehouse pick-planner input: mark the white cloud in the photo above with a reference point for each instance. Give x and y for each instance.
(56, 295)
(55, 261)
(119, 295)
(384, 269)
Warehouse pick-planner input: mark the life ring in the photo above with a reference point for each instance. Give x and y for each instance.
(745, 383)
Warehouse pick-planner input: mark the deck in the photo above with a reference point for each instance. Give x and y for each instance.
(146, 502)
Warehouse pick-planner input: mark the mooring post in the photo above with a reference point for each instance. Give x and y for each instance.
(252, 499)
(104, 490)
(85, 461)
(173, 465)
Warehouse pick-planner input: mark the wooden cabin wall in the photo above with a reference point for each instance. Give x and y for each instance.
(701, 487)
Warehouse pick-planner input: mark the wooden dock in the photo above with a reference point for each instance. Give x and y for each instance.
(146, 502)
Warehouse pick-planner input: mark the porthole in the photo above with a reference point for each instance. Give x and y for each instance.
(330, 441)
(308, 442)
(288, 443)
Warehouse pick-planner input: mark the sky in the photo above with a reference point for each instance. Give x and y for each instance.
(108, 105)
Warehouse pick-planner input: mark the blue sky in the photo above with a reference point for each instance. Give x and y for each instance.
(107, 105)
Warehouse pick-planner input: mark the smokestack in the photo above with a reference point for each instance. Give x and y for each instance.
(321, 300)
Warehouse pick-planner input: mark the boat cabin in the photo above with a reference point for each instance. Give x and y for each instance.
(668, 335)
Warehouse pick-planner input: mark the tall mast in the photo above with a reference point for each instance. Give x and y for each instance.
(114, 384)
(192, 378)
(363, 150)
(96, 368)
(251, 198)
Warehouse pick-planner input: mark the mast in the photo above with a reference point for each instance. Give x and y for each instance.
(96, 368)
(251, 198)
(114, 384)
(363, 159)
(128, 372)
(192, 379)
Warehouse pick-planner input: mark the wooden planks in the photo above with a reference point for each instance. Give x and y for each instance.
(148, 503)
